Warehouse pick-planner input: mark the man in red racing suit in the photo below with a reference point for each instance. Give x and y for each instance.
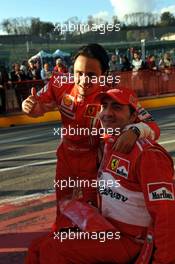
(145, 196)
(78, 154)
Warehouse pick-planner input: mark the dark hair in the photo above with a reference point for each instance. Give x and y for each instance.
(95, 51)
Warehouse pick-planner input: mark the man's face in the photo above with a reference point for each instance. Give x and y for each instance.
(136, 56)
(31, 65)
(84, 69)
(114, 58)
(115, 115)
(17, 67)
(46, 66)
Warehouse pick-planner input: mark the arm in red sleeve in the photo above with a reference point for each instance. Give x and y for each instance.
(155, 172)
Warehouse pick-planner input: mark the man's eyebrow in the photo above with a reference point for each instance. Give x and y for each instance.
(115, 103)
(86, 73)
(103, 101)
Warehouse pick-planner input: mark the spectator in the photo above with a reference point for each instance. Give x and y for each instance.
(3, 80)
(137, 62)
(166, 61)
(33, 71)
(137, 78)
(114, 65)
(24, 67)
(16, 74)
(125, 65)
(46, 73)
(165, 65)
(60, 67)
(151, 63)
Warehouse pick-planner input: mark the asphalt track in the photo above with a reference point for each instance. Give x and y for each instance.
(27, 171)
(27, 154)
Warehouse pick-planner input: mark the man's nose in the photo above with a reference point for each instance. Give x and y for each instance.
(84, 80)
(108, 111)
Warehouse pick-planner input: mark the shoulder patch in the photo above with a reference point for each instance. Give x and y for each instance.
(160, 191)
(68, 101)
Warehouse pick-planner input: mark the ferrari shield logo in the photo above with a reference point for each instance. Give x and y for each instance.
(119, 166)
(114, 164)
(92, 110)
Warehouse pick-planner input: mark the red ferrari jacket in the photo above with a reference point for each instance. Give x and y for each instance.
(137, 191)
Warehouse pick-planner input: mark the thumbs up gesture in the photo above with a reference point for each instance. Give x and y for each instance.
(34, 92)
(29, 104)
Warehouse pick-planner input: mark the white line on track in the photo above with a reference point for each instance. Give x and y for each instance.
(6, 141)
(167, 142)
(19, 199)
(28, 155)
(54, 151)
(49, 161)
(53, 161)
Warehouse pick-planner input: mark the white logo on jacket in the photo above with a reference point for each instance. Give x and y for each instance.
(160, 191)
(119, 166)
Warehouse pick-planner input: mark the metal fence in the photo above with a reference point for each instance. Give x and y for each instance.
(149, 83)
(145, 83)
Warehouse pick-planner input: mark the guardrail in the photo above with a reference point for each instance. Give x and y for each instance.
(149, 82)
(145, 83)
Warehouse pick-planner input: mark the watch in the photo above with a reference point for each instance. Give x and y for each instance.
(135, 130)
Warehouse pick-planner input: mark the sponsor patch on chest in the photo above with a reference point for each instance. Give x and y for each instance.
(68, 101)
(92, 110)
(119, 166)
(160, 191)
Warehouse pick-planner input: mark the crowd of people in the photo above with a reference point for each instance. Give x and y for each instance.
(21, 74)
(35, 70)
(122, 63)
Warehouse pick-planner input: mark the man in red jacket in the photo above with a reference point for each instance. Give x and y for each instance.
(141, 205)
(145, 198)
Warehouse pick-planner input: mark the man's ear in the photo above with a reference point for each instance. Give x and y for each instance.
(133, 117)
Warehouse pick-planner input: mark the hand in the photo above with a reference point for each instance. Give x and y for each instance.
(125, 142)
(29, 104)
(77, 193)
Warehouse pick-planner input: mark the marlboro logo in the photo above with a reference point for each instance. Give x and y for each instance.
(160, 191)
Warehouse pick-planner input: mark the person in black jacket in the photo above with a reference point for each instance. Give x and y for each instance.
(17, 74)
(3, 81)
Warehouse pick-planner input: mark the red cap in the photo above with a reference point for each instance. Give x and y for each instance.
(122, 96)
